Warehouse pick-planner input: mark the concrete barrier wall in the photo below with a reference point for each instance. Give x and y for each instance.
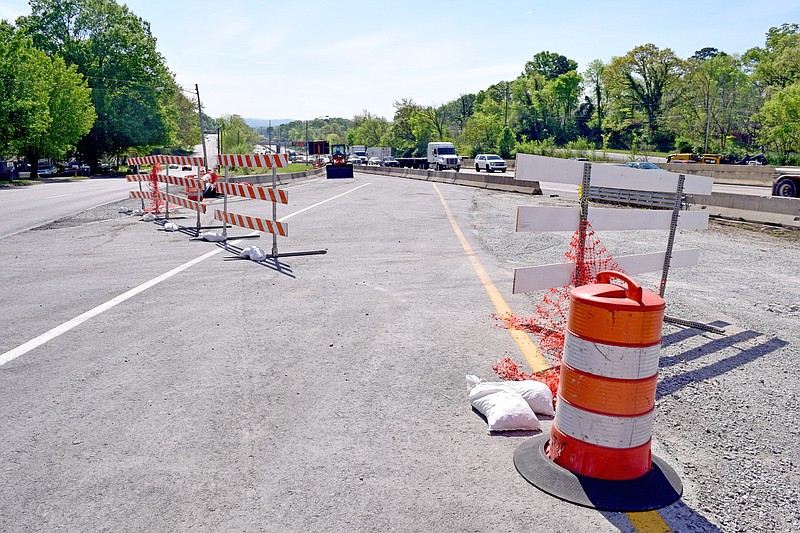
(260, 179)
(728, 174)
(498, 182)
(765, 204)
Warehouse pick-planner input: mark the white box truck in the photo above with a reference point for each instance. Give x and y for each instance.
(381, 152)
(442, 155)
(360, 151)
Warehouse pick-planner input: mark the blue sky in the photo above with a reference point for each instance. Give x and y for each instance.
(286, 59)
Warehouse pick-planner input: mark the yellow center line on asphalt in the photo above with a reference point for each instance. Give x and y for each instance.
(646, 522)
(532, 355)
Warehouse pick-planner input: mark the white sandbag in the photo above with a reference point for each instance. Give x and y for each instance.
(149, 217)
(212, 236)
(171, 226)
(538, 396)
(504, 410)
(125, 210)
(254, 253)
(138, 212)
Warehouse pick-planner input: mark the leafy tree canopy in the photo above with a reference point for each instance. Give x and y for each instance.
(550, 65)
(117, 53)
(45, 105)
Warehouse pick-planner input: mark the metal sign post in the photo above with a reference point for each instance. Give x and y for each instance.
(584, 221)
(166, 202)
(225, 206)
(274, 210)
(673, 227)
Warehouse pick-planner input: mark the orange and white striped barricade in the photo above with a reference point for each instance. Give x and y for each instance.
(168, 160)
(165, 160)
(259, 224)
(183, 202)
(599, 443)
(246, 190)
(272, 161)
(139, 178)
(144, 160)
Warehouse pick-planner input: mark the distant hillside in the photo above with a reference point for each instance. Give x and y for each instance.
(259, 122)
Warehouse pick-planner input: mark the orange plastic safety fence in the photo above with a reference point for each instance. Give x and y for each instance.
(549, 320)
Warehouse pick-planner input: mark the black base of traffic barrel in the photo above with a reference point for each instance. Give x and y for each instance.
(339, 171)
(656, 489)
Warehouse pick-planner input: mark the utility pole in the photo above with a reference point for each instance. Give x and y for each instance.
(200, 116)
(708, 121)
(505, 123)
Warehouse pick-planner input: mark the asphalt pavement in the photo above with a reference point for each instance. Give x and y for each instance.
(153, 382)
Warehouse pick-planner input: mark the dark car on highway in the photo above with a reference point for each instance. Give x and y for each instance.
(642, 165)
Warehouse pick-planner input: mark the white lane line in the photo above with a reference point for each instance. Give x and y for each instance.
(58, 196)
(80, 319)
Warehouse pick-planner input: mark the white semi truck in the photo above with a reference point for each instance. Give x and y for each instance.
(442, 155)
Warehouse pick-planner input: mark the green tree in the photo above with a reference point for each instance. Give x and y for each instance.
(705, 53)
(646, 80)
(45, 106)
(778, 63)
(481, 133)
(437, 117)
(780, 116)
(369, 130)
(117, 53)
(717, 96)
(506, 143)
(402, 131)
(422, 131)
(550, 65)
(595, 86)
(236, 136)
(566, 90)
(460, 109)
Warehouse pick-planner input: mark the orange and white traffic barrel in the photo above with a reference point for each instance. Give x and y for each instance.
(598, 451)
(606, 398)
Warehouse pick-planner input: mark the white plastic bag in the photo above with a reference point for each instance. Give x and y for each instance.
(254, 253)
(504, 410)
(538, 396)
(212, 236)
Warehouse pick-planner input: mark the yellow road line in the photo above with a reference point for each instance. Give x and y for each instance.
(528, 348)
(647, 522)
